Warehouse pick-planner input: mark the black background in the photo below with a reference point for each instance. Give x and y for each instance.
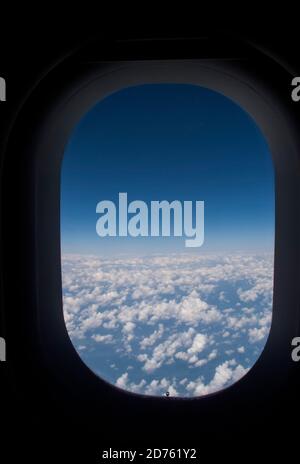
(27, 51)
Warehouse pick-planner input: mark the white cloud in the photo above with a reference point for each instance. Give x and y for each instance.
(178, 301)
(255, 334)
(224, 375)
(198, 344)
(155, 387)
(171, 349)
(103, 338)
(156, 335)
(122, 380)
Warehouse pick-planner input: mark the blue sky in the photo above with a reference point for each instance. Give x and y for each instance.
(167, 142)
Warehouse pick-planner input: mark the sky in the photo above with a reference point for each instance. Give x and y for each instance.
(148, 314)
(169, 142)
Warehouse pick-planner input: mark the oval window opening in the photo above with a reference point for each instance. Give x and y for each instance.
(167, 230)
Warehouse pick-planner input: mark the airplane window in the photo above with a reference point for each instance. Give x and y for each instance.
(167, 234)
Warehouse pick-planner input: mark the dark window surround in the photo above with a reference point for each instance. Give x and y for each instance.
(51, 372)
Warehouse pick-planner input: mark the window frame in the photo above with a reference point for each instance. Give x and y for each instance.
(47, 123)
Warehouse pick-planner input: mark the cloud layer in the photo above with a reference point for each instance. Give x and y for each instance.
(186, 324)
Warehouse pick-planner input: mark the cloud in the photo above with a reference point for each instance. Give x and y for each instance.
(103, 338)
(167, 350)
(223, 376)
(198, 344)
(170, 317)
(156, 335)
(256, 334)
(262, 288)
(154, 387)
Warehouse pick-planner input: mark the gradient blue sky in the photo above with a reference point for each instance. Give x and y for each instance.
(169, 142)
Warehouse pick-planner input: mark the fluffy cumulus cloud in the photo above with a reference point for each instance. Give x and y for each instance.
(184, 324)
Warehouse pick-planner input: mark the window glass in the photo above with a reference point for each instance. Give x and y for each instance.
(167, 230)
